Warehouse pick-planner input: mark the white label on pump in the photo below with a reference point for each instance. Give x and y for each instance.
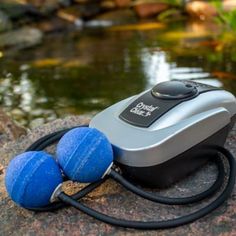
(144, 110)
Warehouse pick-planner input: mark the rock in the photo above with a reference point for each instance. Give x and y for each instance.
(65, 3)
(149, 9)
(9, 130)
(122, 16)
(111, 198)
(24, 141)
(98, 24)
(82, 1)
(36, 7)
(22, 38)
(54, 24)
(77, 12)
(90, 10)
(37, 122)
(17, 113)
(45, 6)
(201, 10)
(108, 5)
(69, 14)
(5, 23)
(15, 9)
(24, 67)
(1, 169)
(122, 3)
(107, 188)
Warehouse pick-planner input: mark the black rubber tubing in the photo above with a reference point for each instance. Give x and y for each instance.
(54, 137)
(49, 139)
(174, 201)
(164, 223)
(58, 205)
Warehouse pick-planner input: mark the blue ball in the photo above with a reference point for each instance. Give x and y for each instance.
(31, 179)
(84, 154)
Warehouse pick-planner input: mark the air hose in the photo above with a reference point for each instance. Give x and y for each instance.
(66, 200)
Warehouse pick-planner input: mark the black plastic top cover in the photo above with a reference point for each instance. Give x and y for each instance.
(174, 90)
(146, 109)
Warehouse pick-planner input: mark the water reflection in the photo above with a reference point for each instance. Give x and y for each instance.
(155, 66)
(158, 69)
(84, 73)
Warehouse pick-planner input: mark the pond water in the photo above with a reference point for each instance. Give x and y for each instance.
(80, 72)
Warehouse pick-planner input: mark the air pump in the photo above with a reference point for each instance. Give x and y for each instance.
(164, 133)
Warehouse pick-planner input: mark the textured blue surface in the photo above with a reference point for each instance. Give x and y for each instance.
(31, 178)
(84, 154)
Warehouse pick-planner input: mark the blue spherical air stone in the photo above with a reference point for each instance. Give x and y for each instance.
(31, 179)
(84, 154)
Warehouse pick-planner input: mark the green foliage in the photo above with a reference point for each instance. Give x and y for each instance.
(177, 3)
(174, 2)
(218, 5)
(171, 15)
(227, 18)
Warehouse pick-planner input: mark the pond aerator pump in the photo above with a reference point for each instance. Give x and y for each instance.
(155, 138)
(163, 134)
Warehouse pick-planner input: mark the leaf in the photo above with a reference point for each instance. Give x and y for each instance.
(176, 35)
(47, 62)
(223, 75)
(214, 44)
(141, 26)
(170, 15)
(75, 63)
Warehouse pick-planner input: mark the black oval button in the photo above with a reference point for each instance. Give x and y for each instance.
(174, 90)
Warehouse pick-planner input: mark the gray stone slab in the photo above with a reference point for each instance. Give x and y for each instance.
(112, 199)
